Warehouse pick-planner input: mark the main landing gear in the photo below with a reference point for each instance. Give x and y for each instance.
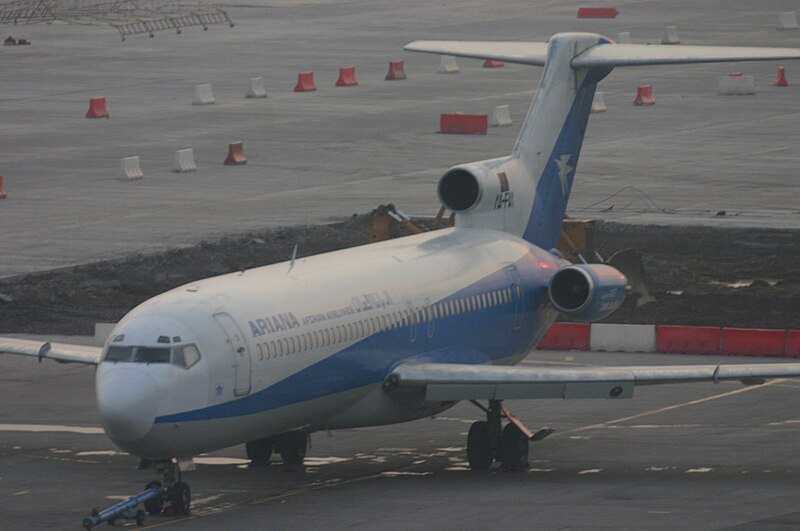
(291, 445)
(488, 441)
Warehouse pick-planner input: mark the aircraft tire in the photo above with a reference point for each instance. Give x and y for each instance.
(479, 451)
(513, 451)
(292, 446)
(180, 498)
(155, 505)
(260, 451)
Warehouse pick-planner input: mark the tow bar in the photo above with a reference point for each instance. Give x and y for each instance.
(123, 509)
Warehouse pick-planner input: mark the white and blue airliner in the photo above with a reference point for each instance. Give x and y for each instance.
(398, 330)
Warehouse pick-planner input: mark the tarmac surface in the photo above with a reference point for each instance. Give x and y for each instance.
(324, 155)
(691, 456)
(681, 456)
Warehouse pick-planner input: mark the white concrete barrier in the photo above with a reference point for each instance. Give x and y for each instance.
(448, 65)
(671, 36)
(501, 116)
(203, 95)
(184, 161)
(737, 85)
(101, 333)
(599, 103)
(622, 338)
(624, 37)
(787, 20)
(130, 170)
(256, 89)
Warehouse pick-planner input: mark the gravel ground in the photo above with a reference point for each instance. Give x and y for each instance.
(698, 275)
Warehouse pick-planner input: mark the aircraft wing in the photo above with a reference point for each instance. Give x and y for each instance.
(61, 352)
(445, 381)
(526, 53)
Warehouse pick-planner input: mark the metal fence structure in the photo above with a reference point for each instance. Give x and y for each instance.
(128, 17)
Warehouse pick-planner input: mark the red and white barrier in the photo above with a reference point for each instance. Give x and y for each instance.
(256, 88)
(305, 82)
(750, 342)
(597, 12)
(3, 193)
(501, 116)
(463, 124)
(489, 63)
(130, 169)
(664, 339)
(623, 338)
(780, 78)
(184, 161)
(235, 154)
(203, 95)
(644, 95)
(397, 71)
(566, 336)
(448, 65)
(347, 77)
(737, 84)
(787, 20)
(687, 339)
(97, 108)
(599, 103)
(671, 36)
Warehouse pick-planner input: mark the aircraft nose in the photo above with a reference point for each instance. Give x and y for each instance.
(127, 398)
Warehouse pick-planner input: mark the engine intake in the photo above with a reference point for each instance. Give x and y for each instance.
(459, 190)
(587, 292)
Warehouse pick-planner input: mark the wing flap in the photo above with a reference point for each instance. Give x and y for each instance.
(445, 381)
(526, 53)
(61, 352)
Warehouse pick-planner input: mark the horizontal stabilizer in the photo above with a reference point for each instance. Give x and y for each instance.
(603, 54)
(526, 53)
(656, 54)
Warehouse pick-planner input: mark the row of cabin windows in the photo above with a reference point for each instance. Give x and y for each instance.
(360, 329)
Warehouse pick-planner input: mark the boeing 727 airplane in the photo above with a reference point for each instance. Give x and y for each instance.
(397, 330)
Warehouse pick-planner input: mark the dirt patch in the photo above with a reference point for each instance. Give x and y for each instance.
(691, 271)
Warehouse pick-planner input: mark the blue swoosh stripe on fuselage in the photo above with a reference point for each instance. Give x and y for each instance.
(479, 336)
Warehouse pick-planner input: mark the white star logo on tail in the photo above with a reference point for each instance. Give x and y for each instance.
(563, 170)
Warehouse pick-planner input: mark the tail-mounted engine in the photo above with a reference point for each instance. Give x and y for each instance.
(587, 292)
(476, 187)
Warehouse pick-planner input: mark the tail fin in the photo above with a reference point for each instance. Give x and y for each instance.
(540, 170)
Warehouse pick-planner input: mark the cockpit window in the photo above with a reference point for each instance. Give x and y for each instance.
(185, 356)
(152, 354)
(182, 356)
(120, 353)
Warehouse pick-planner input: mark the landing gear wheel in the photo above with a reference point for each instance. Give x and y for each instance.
(155, 505)
(260, 451)
(479, 450)
(292, 446)
(140, 517)
(513, 451)
(180, 498)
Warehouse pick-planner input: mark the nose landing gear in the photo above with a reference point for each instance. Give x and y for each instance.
(170, 498)
(488, 441)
